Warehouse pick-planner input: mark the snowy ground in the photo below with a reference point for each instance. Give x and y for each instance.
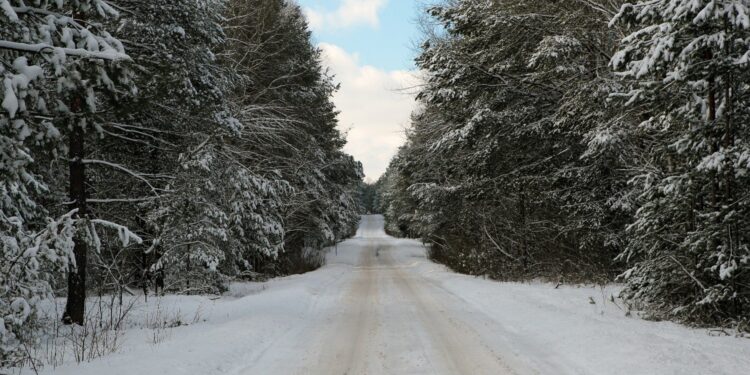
(380, 307)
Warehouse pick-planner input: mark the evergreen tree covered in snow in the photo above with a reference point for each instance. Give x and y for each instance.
(687, 66)
(208, 151)
(55, 58)
(287, 93)
(585, 140)
(506, 142)
(177, 126)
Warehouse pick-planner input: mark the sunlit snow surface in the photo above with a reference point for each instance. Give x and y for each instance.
(380, 307)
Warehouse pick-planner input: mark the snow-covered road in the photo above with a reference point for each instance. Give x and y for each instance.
(387, 319)
(380, 307)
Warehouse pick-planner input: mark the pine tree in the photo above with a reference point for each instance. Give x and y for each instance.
(287, 94)
(225, 152)
(686, 63)
(53, 68)
(532, 157)
(510, 114)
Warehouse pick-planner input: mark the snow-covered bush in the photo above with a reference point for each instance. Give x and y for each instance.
(29, 261)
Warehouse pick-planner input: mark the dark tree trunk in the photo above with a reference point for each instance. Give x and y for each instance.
(146, 275)
(187, 279)
(75, 307)
(713, 135)
(524, 234)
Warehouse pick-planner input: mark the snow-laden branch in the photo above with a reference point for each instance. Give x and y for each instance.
(122, 168)
(609, 13)
(120, 200)
(111, 55)
(124, 233)
(130, 129)
(497, 246)
(111, 200)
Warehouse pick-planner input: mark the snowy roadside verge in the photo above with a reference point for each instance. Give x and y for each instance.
(580, 329)
(246, 321)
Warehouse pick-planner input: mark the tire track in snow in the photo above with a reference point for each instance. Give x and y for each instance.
(382, 317)
(459, 348)
(348, 343)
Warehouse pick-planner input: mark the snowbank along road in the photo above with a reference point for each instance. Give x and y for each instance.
(380, 307)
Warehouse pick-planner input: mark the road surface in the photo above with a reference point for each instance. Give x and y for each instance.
(388, 320)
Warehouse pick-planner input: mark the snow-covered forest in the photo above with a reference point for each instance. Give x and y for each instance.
(162, 146)
(586, 140)
(573, 196)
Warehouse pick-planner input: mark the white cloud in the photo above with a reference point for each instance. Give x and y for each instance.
(375, 107)
(349, 13)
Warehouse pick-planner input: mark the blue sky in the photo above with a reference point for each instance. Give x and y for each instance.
(387, 44)
(369, 46)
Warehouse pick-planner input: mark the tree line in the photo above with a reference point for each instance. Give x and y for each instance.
(586, 140)
(172, 144)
